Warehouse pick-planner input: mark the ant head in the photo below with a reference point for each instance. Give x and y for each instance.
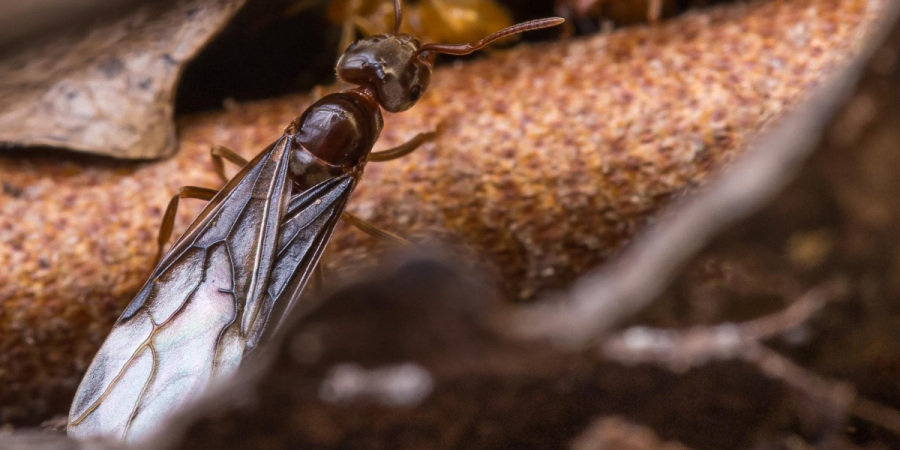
(390, 67)
(397, 68)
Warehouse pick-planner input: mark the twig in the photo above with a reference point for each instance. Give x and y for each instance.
(680, 350)
(836, 396)
(878, 414)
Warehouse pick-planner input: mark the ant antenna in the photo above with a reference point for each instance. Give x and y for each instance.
(398, 16)
(465, 49)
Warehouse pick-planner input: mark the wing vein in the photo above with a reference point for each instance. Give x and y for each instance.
(234, 317)
(137, 404)
(251, 289)
(144, 344)
(186, 246)
(115, 381)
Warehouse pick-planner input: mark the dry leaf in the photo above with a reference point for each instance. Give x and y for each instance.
(22, 18)
(108, 89)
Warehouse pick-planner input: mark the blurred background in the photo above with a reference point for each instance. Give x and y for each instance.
(561, 146)
(274, 47)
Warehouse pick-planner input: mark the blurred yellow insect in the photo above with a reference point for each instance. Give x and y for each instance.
(618, 11)
(450, 21)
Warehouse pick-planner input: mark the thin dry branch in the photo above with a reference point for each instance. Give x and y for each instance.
(874, 412)
(681, 350)
(835, 396)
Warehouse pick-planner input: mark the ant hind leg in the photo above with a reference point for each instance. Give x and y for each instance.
(372, 230)
(318, 278)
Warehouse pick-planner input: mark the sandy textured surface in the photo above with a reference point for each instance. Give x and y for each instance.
(552, 157)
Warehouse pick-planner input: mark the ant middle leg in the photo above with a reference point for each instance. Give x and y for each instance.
(168, 222)
(219, 153)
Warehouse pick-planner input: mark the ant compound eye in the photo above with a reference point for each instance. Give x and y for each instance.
(415, 93)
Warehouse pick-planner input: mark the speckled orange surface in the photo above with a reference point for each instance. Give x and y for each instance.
(552, 157)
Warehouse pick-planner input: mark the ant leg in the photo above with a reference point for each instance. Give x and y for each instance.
(218, 153)
(351, 25)
(318, 278)
(165, 229)
(301, 6)
(365, 26)
(654, 12)
(407, 147)
(348, 36)
(316, 93)
(372, 230)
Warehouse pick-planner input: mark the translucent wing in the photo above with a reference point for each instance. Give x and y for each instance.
(190, 322)
(305, 231)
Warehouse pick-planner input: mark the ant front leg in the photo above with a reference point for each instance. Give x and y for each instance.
(168, 222)
(219, 153)
(407, 147)
(353, 24)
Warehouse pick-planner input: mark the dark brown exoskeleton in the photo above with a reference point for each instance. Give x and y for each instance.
(228, 281)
